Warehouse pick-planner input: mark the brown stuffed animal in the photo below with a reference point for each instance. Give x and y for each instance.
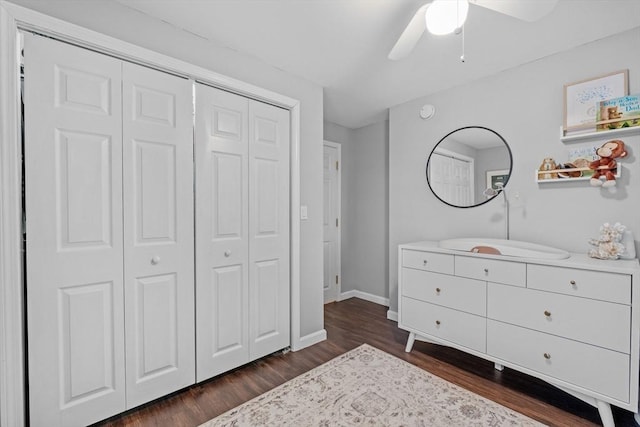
(613, 113)
(549, 167)
(606, 166)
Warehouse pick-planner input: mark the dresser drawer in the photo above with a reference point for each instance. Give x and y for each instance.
(459, 293)
(604, 286)
(600, 323)
(428, 261)
(451, 325)
(510, 273)
(597, 369)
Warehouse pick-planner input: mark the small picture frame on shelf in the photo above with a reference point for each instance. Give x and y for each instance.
(581, 98)
(496, 177)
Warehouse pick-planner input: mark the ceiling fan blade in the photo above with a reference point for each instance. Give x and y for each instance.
(526, 10)
(410, 35)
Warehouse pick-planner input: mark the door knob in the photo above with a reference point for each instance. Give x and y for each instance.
(155, 260)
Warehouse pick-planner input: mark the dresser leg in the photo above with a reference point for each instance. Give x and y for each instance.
(498, 366)
(605, 414)
(410, 341)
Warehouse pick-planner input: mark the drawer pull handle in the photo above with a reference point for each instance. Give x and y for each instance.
(424, 262)
(547, 313)
(486, 270)
(573, 282)
(547, 356)
(155, 260)
(437, 322)
(437, 290)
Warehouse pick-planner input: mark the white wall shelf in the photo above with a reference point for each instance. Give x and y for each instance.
(561, 179)
(604, 134)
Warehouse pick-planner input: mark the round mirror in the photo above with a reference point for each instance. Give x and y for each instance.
(466, 163)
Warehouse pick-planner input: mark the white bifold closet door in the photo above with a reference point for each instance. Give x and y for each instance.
(242, 218)
(158, 233)
(109, 220)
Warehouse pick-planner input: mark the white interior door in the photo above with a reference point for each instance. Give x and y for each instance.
(73, 191)
(268, 229)
(222, 254)
(331, 221)
(158, 233)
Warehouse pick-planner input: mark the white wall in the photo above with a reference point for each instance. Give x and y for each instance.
(336, 133)
(525, 106)
(118, 21)
(364, 206)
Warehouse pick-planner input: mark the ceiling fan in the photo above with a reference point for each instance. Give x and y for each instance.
(447, 16)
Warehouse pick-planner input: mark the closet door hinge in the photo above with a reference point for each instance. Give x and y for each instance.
(337, 165)
(336, 279)
(336, 222)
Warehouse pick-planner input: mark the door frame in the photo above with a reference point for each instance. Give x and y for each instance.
(338, 147)
(14, 18)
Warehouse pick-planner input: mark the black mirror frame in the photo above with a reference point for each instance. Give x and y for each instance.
(445, 137)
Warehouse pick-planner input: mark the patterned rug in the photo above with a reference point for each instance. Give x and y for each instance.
(368, 387)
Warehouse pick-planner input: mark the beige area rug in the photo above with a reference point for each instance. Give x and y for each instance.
(368, 387)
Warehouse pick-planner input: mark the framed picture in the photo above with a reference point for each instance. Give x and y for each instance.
(497, 177)
(581, 98)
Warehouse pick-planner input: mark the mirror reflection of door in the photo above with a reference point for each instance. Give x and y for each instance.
(451, 175)
(331, 221)
(459, 167)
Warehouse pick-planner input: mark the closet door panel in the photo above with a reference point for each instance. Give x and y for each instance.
(89, 304)
(158, 233)
(73, 205)
(226, 295)
(222, 223)
(83, 164)
(156, 326)
(155, 184)
(268, 228)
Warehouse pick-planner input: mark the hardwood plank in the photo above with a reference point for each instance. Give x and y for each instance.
(349, 324)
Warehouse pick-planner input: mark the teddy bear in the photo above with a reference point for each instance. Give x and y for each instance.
(608, 245)
(548, 166)
(606, 166)
(614, 113)
(609, 113)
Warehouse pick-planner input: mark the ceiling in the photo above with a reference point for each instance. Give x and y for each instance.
(342, 45)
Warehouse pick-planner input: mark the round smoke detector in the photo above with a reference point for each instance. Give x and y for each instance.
(427, 111)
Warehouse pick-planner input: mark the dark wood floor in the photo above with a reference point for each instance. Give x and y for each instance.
(351, 323)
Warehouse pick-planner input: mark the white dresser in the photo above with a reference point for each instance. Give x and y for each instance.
(573, 323)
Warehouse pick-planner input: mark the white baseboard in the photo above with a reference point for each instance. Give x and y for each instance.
(309, 340)
(365, 296)
(392, 315)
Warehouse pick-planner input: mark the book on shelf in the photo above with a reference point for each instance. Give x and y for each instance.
(618, 113)
(581, 157)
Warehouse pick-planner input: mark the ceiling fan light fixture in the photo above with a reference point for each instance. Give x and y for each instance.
(444, 16)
